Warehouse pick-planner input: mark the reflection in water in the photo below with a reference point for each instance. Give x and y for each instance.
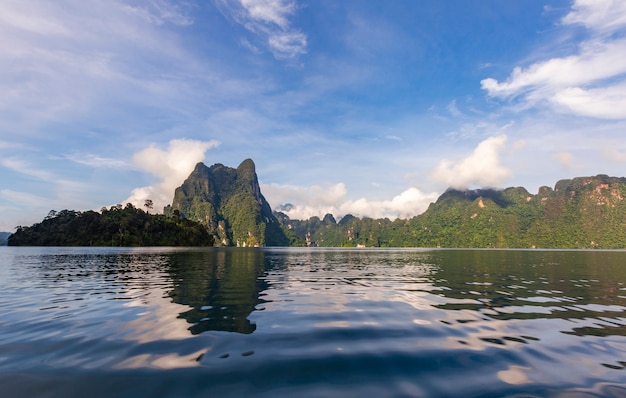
(312, 322)
(524, 285)
(504, 298)
(221, 286)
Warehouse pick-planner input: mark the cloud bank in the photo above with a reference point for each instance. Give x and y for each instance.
(589, 83)
(170, 166)
(319, 200)
(481, 168)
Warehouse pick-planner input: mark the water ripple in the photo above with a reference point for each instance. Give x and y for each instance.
(278, 322)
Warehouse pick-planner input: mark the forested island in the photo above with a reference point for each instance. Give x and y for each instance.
(115, 226)
(224, 206)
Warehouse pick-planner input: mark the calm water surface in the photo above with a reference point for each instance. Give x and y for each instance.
(164, 322)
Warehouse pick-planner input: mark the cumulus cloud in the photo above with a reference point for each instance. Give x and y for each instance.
(170, 166)
(589, 82)
(603, 102)
(269, 20)
(319, 200)
(598, 15)
(482, 167)
(566, 159)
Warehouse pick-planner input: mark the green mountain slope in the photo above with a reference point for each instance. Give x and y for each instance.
(585, 212)
(230, 204)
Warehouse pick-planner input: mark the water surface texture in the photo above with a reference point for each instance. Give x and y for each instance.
(164, 322)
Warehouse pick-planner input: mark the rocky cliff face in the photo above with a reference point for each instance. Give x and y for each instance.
(230, 204)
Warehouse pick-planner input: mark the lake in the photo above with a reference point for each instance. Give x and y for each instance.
(191, 322)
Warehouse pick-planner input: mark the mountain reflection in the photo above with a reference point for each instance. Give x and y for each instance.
(526, 285)
(221, 285)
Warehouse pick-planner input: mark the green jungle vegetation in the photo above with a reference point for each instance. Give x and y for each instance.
(229, 203)
(585, 212)
(116, 226)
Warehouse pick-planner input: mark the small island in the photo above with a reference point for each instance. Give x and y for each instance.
(115, 226)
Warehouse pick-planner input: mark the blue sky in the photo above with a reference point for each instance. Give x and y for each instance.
(366, 107)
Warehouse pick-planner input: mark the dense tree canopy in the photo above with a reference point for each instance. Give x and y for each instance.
(117, 226)
(586, 212)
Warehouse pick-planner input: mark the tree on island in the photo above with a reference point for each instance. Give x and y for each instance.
(116, 226)
(149, 205)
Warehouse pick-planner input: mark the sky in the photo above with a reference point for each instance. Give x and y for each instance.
(371, 108)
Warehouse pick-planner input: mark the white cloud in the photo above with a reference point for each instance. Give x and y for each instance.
(69, 61)
(24, 198)
(482, 167)
(20, 166)
(159, 12)
(171, 166)
(269, 19)
(287, 45)
(454, 109)
(60, 187)
(270, 11)
(407, 204)
(587, 83)
(598, 15)
(603, 102)
(596, 61)
(322, 196)
(566, 159)
(23, 208)
(12, 204)
(318, 200)
(615, 155)
(91, 160)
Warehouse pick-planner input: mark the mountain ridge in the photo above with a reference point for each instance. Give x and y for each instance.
(583, 212)
(224, 206)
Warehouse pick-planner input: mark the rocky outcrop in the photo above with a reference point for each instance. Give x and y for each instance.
(230, 204)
